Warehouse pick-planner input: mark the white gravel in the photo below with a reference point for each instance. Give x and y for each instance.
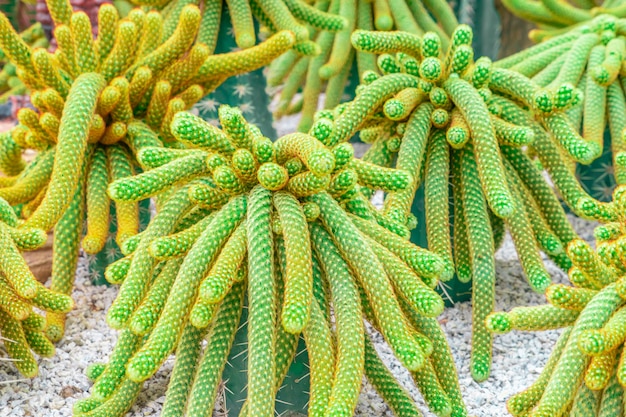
(518, 357)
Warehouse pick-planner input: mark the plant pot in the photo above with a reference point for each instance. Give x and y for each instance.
(40, 261)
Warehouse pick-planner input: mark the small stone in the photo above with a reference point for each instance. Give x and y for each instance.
(69, 391)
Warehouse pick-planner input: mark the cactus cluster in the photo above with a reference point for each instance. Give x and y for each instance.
(586, 372)
(286, 229)
(10, 84)
(329, 71)
(585, 375)
(276, 221)
(99, 102)
(296, 16)
(589, 57)
(447, 118)
(21, 326)
(89, 7)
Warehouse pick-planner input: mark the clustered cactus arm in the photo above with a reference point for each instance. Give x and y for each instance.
(333, 65)
(24, 329)
(583, 373)
(10, 83)
(285, 244)
(426, 99)
(97, 109)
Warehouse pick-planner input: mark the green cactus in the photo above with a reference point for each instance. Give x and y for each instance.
(329, 72)
(485, 114)
(282, 244)
(99, 107)
(23, 329)
(584, 371)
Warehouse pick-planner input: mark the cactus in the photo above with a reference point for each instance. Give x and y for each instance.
(329, 71)
(275, 229)
(447, 118)
(23, 328)
(588, 57)
(586, 369)
(99, 109)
